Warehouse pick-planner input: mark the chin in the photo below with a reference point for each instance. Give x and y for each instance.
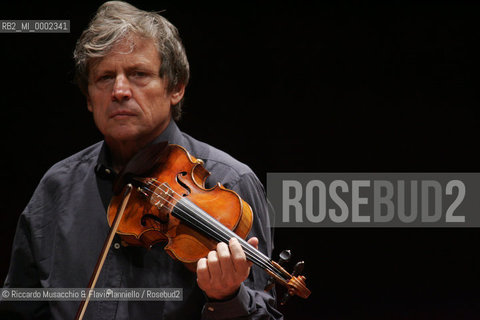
(128, 135)
(121, 135)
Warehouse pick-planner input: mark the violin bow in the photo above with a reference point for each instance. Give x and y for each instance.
(103, 254)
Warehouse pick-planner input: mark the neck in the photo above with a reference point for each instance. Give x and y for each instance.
(123, 150)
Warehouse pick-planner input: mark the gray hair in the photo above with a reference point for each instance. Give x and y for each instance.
(116, 21)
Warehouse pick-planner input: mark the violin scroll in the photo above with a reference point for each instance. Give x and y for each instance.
(295, 283)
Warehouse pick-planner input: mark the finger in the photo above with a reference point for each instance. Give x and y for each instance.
(239, 258)
(203, 275)
(253, 241)
(225, 259)
(213, 266)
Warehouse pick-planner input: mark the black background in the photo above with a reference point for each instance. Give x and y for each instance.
(340, 86)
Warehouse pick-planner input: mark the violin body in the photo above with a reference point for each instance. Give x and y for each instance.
(185, 177)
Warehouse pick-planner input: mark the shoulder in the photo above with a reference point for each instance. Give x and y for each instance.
(66, 173)
(75, 164)
(58, 182)
(223, 167)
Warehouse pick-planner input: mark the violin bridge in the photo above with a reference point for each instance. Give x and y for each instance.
(163, 197)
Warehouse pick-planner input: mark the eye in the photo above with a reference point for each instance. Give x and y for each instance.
(140, 74)
(105, 77)
(140, 77)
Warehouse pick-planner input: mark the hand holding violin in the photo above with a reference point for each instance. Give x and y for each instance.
(221, 273)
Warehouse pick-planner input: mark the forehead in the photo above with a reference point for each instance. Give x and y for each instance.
(129, 52)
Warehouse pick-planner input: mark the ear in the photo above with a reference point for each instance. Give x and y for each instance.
(89, 104)
(177, 94)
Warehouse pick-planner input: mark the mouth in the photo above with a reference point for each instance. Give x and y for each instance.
(122, 114)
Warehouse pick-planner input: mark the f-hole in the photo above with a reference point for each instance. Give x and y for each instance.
(143, 221)
(180, 182)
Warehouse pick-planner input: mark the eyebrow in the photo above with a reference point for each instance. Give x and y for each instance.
(140, 65)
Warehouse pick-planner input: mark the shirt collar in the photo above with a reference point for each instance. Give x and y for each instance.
(104, 167)
(171, 134)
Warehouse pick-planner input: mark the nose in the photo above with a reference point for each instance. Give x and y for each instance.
(121, 89)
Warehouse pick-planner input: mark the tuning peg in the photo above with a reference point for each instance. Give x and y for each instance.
(283, 258)
(298, 269)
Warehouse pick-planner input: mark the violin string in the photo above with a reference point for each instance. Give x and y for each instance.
(213, 232)
(256, 256)
(227, 233)
(250, 252)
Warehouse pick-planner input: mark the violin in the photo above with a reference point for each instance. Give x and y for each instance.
(160, 195)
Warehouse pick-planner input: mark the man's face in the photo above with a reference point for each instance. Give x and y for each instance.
(126, 95)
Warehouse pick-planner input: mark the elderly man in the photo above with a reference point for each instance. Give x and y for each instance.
(133, 70)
